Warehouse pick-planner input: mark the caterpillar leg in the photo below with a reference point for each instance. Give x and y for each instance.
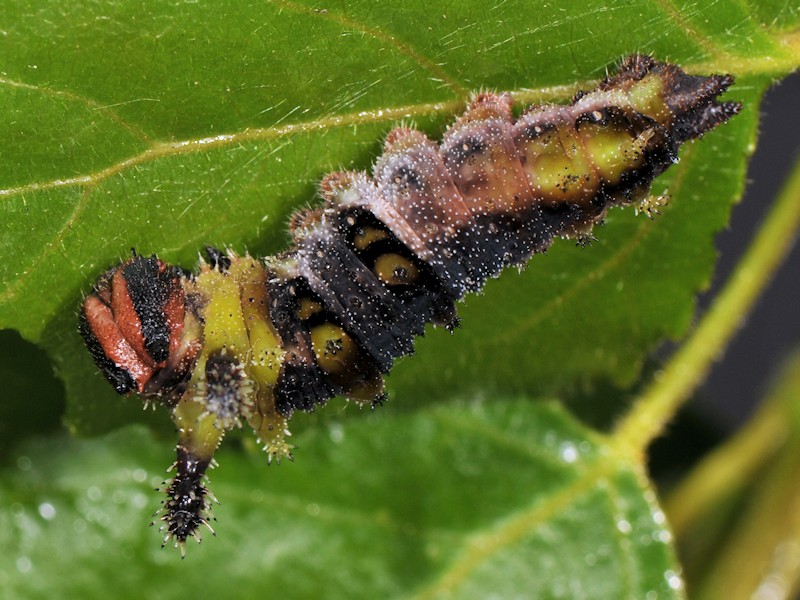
(651, 204)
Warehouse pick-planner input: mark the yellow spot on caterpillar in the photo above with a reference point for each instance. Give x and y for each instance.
(393, 269)
(363, 239)
(307, 308)
(333, 348)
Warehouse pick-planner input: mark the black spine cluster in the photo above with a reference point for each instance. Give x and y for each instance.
(188, 503)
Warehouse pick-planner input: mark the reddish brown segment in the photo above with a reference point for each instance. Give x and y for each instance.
(134, 325)
(410, 173)
(127, 319)
(482, 159)
(116, 348)
(175, 312)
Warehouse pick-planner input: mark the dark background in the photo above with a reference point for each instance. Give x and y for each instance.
(772, 331)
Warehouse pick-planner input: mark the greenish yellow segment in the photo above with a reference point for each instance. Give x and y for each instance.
(612, 150)
(565, 165)
(224, 332)
(225, 328)
(558, 168)
(234, 308)
(266, 355)
(647, 97)
(198, 429)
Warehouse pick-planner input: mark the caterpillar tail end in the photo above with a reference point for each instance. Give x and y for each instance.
(692, 100)
(187, 507)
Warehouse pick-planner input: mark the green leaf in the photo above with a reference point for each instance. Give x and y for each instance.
(187, 124)
(166, 126)
(531, 504)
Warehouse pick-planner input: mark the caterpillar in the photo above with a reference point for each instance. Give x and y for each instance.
(253, 340)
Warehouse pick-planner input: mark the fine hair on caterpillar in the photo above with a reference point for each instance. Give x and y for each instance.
(252, 340)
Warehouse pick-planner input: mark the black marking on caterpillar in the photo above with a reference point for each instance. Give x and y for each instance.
(255, 340)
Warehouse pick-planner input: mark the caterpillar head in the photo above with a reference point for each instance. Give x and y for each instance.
(134, 324)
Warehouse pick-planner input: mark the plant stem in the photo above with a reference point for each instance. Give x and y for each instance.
(691, 363)
(732, 466)
(758, 473)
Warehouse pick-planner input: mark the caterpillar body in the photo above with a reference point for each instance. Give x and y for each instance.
(253, 340)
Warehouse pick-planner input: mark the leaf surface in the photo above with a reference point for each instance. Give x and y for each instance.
(507, 499)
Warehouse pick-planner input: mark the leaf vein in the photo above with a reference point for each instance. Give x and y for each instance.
(375, 32)
(11, 291)
(159, 150)
(479, 548)
(683, 22)
(90, 103)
